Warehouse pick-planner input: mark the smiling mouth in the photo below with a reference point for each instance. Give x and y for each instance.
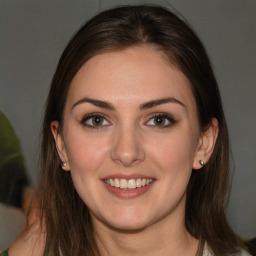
(130, 184)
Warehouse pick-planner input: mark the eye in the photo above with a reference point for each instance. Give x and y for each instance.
(95, 121)
(161, 121)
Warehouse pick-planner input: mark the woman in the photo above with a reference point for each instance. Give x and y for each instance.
(135, 149)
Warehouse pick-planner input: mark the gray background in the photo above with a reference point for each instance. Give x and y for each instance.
(34, 33)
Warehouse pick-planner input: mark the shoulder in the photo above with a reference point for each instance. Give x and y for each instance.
(4, 253)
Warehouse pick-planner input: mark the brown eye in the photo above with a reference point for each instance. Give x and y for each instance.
(94, 121)
(97, 120)
(161, 121)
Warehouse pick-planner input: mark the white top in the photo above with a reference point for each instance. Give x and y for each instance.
(206, 252)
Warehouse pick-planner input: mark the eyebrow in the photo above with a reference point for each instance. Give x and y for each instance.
(98, 103)
(157, 102)
(147, 105)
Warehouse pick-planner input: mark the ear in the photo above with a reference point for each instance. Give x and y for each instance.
(60, 145)
(206, 144)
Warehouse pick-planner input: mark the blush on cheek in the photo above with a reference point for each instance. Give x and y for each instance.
(86, 157)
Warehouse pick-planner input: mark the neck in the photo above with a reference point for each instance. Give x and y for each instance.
(161, 238)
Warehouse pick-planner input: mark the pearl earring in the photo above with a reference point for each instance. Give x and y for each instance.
(202, 162)
(63, 164)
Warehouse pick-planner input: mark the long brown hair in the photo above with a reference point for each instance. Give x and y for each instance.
(68, 223)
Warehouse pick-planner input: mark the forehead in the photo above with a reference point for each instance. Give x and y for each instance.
(138, 74)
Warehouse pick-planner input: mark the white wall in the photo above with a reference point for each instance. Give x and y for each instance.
(34, 33)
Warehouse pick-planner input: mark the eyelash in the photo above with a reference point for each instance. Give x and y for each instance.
(171, 121)
(91, 116)
(167, 117)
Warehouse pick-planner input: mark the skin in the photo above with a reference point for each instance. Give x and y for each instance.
(31, 241)
(130, 142)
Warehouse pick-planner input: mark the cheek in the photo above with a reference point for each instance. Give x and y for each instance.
(83, 152)
(175, 152)
(173, 158)
(85, 160)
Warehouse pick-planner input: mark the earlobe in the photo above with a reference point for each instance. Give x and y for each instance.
(206, 144)
(60, 146)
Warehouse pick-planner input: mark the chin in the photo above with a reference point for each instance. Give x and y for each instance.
(128, 223)
(128, 228)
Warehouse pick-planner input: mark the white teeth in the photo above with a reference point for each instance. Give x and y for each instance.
(123, 183)
(148, 181)
(111, 182)
(117, 185)
(128, 184)
(131, 183)
(138, 183)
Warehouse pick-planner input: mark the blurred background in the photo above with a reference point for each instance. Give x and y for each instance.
(33, 35)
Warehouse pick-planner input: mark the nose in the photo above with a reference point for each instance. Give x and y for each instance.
(127, 148)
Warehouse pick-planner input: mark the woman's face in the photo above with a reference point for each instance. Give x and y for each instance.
(130, 138)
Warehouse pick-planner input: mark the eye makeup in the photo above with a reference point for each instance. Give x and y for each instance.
(99, 120)
(95, 121)
(161, 121)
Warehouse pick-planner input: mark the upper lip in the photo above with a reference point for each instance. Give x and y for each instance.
(127, 176)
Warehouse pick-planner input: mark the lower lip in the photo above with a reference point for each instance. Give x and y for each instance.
(128, 193)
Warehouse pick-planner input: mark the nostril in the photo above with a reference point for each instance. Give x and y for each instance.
(127, 158)
(127, 148)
